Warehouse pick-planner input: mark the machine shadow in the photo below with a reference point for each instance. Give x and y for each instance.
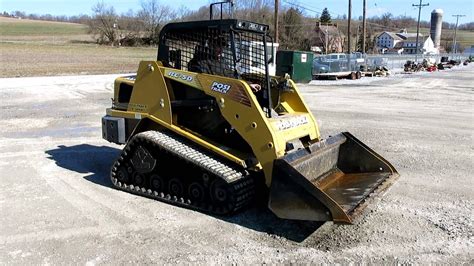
(97, 160)
(86, 159)
(260, 218)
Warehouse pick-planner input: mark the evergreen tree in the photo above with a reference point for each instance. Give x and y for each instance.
(325, 16)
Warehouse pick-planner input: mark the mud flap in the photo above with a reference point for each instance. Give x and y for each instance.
(330, 180)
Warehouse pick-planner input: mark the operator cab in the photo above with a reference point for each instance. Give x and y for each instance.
(228, 47)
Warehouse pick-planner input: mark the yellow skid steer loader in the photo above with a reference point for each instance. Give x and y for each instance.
(206, 123)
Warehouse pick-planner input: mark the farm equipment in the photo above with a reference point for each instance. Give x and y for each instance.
(443, 66)
(431, 68)
(455, 62)
(445, 63)
(429, 64)
(378, 71)
(411, 66)
(375, 67)
(207, 128)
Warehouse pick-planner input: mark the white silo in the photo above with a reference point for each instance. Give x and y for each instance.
(436, 25)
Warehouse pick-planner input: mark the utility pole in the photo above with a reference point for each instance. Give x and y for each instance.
(349, 36)
(420, 6)
(363, 26)
(456, 29)
(277, 4)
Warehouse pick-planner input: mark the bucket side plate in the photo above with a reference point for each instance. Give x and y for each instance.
(331, 180)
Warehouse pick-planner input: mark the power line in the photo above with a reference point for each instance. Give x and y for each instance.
(374, 25)
(313, 9)
(302, 7)
(382, 26)
(308, 8)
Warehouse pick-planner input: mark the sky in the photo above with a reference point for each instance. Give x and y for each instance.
(335, 7)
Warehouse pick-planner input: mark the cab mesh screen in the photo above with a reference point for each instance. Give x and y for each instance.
(217, 52)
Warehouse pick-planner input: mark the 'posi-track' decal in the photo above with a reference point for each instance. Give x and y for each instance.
(220, 87)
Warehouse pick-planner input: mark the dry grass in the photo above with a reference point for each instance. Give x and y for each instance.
(464, 37)
(29, 59)
(26, 27)
(39, 48)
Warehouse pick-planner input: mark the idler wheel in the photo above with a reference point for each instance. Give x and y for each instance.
(175, 187)
(138, 179)
(123, 175)
(156, 183)
(219, 192)
(196, 192)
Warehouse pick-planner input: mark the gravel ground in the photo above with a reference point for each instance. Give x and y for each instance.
(58, 208)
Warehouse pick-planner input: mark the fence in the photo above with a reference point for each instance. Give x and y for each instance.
(394, 62)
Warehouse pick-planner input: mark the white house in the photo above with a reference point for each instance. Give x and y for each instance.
(387, 40)
(425, 45)
(403, 42)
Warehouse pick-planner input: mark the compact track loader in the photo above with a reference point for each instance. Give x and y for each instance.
(206, 123)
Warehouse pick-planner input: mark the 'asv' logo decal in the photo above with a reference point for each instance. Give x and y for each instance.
(219, 87)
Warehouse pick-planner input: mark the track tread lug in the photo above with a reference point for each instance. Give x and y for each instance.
(240, 183)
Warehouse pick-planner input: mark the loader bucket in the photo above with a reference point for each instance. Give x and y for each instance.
(330, 180)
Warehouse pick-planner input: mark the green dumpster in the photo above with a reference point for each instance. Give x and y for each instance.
(297, 64)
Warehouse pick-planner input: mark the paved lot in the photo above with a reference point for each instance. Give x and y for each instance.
(57, 205)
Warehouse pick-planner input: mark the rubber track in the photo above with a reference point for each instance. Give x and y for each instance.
(239, 181)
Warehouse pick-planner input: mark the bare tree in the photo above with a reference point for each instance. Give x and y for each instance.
(292, 21)
(255, 10)
(386, 19)
(182, 13)
(19, 14)
(103, 24)
(466, 26)
(131, 29)
(154, 16)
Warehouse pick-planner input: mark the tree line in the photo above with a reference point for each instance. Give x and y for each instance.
(296, 27)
